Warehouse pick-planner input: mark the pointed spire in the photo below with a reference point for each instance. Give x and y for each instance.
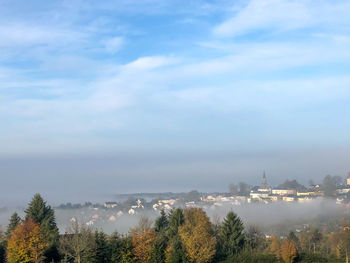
(264, 180)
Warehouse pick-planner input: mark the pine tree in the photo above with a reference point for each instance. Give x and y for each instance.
(101, 248)
(161, 224)
(2, 251)
(114, 247)
(44, 215)
(231, 238)
(175, 252)
(14, 222)
(126, 255)
(176, 219)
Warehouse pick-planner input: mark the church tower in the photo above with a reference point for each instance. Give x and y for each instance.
(264, 181)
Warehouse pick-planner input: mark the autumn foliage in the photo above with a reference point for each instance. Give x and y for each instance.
(196, 234)
(143, 245)
(289, 251)
(26, 244)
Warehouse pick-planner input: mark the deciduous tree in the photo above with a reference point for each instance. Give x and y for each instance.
(289, 251)
(143, 244)
(78, 244)
(26, 244)
(275, 246)
(196, 235)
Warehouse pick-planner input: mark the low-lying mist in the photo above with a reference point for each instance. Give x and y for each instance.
(279, 216)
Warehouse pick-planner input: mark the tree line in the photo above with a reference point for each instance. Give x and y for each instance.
(180, 236)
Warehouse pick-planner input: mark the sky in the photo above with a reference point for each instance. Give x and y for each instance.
(103, 97)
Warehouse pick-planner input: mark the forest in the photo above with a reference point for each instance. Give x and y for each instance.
(181, 235)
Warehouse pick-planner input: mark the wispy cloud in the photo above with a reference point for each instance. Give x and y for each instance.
(284, 15)
(114, 44)
(85, 76)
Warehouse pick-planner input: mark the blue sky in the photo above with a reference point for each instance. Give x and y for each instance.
(100, 77)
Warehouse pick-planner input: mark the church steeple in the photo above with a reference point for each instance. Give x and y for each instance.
(264, 180)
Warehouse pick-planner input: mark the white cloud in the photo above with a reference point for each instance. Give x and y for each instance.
(283, 15)
(149, 63)
(21, 34)
(113, 45)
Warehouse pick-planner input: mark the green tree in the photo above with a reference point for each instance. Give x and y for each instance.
(114, 247)
(231, 238)
(176, 219)
(175, 252)
(15, 220)
(161, 224)
(2, 247)
(126, 255)
(101, 248)
(44, 215)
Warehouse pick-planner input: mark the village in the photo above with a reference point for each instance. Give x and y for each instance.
(112, 212)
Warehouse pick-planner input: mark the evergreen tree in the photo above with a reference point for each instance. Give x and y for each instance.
(44, 215)
(101, 248)
(126, 255)
(175, 252)
(114, 247)
(160, 244)
(176, 219)
(161, 224)
(2, 252)
(14, 222)
(158, 249)
(231, 238)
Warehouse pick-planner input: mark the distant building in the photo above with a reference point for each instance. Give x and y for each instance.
(131, 211)
(110, 204)
(288, 198)
(344, 189)
(281, 192)
(261, 192)
(348, 179)
(112, 218)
